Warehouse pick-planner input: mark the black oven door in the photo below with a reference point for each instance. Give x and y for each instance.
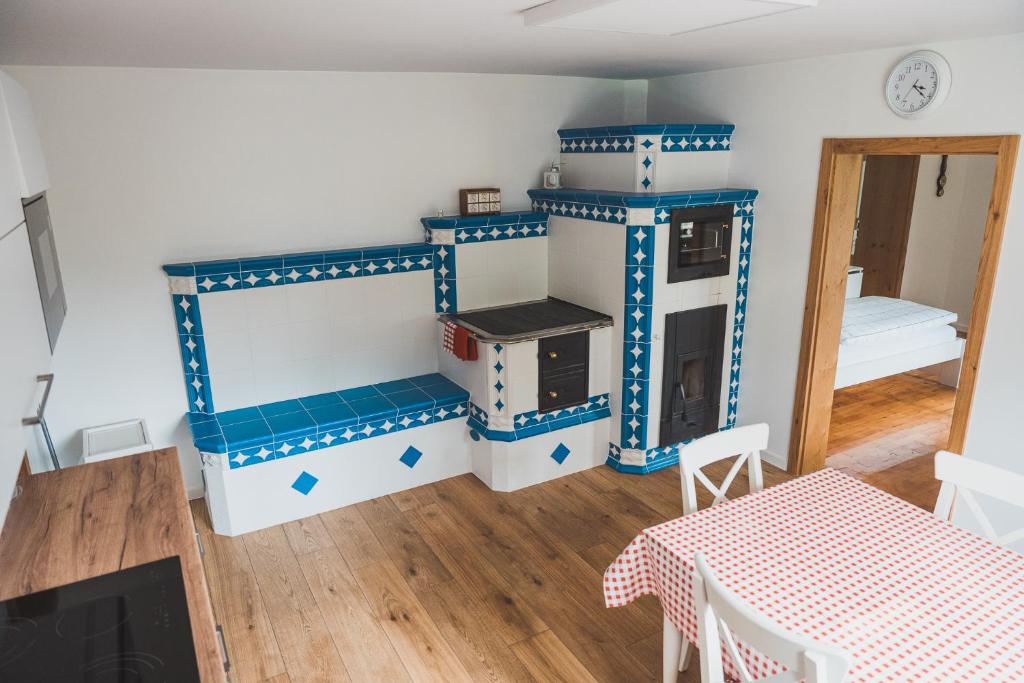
(700, 242)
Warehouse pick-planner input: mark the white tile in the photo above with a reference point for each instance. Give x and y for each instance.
(600, 360)
(345, 298)
(266, 306)
(418, 294)
(274, 382)
(314, 376)
(521, 376)
(271, 345)
(235, 389)
(228, 351)
(311, 339)
(306, 301)
(223, 311)
(471, 259)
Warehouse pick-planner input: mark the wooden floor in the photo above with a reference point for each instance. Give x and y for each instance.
(886, 432)
(449, 582)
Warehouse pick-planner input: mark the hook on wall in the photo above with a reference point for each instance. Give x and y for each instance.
(940, 182)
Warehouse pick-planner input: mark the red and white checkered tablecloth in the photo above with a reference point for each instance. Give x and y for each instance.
(910, 597)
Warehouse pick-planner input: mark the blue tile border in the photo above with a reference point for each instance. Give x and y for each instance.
(636, 361)
(550, 201)
(508, 219)
(191, 345)
(636, 343)
(672, 137)
(286, 428)
(532, 423)
(445, 289)
(286, 269)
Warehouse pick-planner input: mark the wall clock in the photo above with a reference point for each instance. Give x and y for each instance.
(918, 84)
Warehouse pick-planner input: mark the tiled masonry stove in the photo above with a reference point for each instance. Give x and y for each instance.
(609, 323)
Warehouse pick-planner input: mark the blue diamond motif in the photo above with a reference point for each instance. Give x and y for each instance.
(411, 456)
(497, 348)
(499, 405)
(560, 453)
(305, 483)
(647, 162)
(499, 386)
(646, 182)
(498, 367)
(647, 143)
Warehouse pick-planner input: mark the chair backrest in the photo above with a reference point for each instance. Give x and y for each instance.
(961, 478)
(724, 617)
(747, 442)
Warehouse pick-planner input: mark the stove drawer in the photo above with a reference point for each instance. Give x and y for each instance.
(564, 352)
(562, 390)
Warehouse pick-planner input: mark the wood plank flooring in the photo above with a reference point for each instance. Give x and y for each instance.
(449, 582)
(886, 432)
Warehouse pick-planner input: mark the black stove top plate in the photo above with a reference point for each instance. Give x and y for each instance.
(129, 626)
(531, 317)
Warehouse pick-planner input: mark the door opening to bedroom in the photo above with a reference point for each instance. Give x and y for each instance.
(907, 234)
(915, 255)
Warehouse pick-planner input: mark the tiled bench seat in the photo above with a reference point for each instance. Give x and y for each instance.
(273, 431)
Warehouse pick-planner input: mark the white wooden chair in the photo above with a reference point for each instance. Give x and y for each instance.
(747, 442)
(962, 478)
(722, 616)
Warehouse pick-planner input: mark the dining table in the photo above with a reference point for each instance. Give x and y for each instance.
(910, 597)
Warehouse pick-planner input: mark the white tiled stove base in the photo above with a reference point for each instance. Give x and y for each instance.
(250, 498)
(512, 465)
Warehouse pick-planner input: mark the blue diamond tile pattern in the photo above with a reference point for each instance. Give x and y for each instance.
(191, 344)
(287, 269)
(560, 453)
(636, 348)
(674, 137)
(272, 431)
(305, 483)
(532, 423)
(411, 456)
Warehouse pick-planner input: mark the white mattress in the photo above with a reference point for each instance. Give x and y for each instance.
(884, 347)
(878, 319)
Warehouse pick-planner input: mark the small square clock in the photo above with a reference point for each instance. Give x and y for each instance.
(479, 201)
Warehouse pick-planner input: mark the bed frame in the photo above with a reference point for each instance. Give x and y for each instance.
(865, 371)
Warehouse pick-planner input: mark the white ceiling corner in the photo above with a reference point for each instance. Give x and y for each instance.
(475, 36)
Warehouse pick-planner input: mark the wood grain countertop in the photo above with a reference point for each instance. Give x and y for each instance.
(85, 521)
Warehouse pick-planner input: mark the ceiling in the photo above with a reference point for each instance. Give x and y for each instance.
(487, 36)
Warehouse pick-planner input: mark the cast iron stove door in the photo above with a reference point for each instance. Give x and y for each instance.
(692, 379)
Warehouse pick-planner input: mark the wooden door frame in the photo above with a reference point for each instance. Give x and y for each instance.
(838, 184)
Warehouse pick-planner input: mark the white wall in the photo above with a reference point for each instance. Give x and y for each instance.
(154, 166)
(945, 233)
(782, 112)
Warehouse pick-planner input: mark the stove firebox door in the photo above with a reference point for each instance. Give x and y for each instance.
(564, 369)
(692, 379)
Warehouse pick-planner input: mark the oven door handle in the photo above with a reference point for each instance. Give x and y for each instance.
(680, 398)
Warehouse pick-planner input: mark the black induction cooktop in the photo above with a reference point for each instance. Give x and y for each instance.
(130, 626)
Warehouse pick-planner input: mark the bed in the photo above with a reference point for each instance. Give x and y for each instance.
(883, 336)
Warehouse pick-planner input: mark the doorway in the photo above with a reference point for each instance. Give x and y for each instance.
(833, 249)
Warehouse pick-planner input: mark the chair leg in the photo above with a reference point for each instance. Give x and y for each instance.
(685, 656)
(671, 644)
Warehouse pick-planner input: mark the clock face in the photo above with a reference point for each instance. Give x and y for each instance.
(912, 86)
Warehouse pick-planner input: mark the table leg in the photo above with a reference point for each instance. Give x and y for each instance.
(671, 643)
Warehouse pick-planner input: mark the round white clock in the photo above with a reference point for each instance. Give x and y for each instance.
(918, 84)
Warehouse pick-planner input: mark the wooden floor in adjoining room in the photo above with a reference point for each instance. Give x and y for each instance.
(886, 432)
(449, 582)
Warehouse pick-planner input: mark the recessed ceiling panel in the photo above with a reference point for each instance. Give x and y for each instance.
(653, 17)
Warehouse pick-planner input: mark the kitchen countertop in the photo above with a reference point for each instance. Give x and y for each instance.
(530, 320)
(94, 519)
